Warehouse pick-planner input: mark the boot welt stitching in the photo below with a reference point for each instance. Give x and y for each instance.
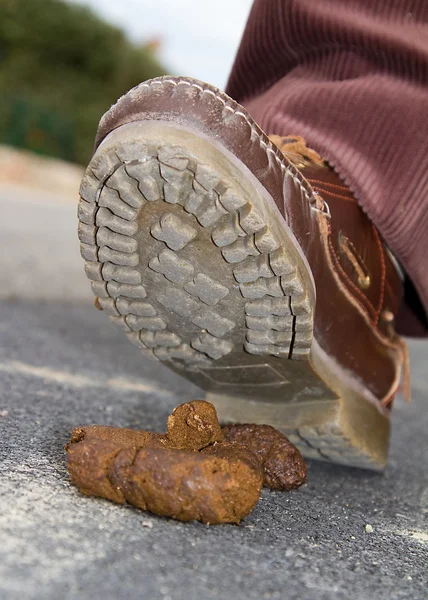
(268, 146)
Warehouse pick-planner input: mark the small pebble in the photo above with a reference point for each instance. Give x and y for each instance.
(147, 524)
(368, 528)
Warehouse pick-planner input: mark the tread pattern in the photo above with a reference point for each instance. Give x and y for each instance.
(123, 183)
(330, 445)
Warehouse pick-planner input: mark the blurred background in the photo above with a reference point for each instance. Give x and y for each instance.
(62, 64)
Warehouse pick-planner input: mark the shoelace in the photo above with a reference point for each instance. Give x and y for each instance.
(405, 375)
(295, 149)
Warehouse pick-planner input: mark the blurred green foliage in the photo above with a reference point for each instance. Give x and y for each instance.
(61, 67)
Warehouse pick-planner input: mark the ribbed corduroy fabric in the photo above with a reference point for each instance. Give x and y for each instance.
(351, 76)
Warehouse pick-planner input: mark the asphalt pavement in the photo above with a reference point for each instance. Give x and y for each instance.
(40, 258)
(346, 534)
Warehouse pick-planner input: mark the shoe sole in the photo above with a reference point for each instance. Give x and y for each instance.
(188, 253)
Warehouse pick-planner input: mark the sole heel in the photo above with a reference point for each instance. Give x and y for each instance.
(344, 431)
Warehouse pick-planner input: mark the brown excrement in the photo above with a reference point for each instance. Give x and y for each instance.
(195, 471)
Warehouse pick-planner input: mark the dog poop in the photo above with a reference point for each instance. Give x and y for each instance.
(194, 425)
(195, 471)
(283, 466)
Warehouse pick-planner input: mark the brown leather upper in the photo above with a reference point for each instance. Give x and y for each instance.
(360, 270)
(358, 288)
(356, 249)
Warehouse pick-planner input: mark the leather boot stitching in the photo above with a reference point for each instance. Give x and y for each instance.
(349, 250)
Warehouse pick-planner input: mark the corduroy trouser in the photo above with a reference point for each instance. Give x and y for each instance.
(351, 76)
